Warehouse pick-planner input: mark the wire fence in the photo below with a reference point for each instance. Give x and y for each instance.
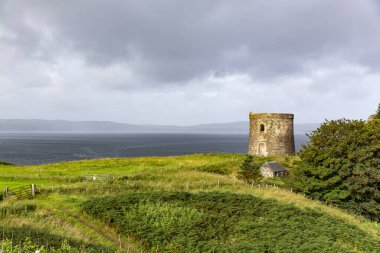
(99, 178)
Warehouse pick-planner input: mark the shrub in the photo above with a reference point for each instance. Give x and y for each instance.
(341, 165)
(225, 222)
(377, 114)
(249, 170)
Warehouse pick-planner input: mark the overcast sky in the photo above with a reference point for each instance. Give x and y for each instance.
(188, 62)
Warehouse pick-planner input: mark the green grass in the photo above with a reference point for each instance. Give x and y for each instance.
(210, 176)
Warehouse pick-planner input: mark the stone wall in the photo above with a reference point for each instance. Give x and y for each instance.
(271, 134)
(266, 172)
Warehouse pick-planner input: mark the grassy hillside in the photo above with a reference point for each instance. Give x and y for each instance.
(171, 204)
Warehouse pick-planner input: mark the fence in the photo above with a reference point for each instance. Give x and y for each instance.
(23, 192)
(101, 178)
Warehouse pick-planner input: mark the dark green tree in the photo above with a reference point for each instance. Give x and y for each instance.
(341, 165)
(249, 170)
(377, 114)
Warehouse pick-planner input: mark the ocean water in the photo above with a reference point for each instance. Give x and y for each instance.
(41, 148)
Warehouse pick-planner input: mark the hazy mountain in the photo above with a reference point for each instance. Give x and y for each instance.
(38, 125)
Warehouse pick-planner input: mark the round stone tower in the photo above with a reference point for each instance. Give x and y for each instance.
(271, 134)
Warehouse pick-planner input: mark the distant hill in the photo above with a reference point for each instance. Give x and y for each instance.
(38, 125)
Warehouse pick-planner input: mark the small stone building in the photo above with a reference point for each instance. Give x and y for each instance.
(273, 169)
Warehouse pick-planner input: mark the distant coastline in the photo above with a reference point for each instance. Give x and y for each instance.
(65, 126)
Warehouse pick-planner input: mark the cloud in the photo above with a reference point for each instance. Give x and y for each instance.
(201, 61)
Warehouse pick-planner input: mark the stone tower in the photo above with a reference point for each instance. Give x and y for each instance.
(271, 134)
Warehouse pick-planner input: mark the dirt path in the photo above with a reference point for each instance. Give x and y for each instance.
(125, 246)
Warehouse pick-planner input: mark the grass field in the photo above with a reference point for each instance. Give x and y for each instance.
(168, 204)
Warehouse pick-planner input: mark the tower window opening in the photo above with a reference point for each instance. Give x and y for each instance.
(262, 128)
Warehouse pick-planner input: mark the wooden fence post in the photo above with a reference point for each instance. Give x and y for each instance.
(33, 190)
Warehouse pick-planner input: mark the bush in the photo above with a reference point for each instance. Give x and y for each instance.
(225, 222)
(377, 114)
(250, 170)
(341, 165)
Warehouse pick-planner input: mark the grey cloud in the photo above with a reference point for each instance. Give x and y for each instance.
(149, 56)
(177, 41)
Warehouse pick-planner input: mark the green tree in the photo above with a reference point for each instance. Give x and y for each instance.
(341, 165)
(249, 170)
(377, 114)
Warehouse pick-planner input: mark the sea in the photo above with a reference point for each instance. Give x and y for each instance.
(42, 148)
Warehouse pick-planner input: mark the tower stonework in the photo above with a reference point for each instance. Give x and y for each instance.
(271, 134)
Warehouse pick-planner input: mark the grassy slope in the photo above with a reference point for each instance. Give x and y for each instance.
(59, 207)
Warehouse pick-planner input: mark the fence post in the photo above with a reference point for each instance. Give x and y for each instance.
(33, 190)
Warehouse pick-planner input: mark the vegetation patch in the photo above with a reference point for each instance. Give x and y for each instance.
(6, 163)
(28, 239)
(149, 209)
(219, 168)
(226, 222)
(17, 209)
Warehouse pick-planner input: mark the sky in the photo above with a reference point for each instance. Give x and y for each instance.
(173, 62)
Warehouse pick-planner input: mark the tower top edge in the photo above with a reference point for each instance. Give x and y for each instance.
(271, 115)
